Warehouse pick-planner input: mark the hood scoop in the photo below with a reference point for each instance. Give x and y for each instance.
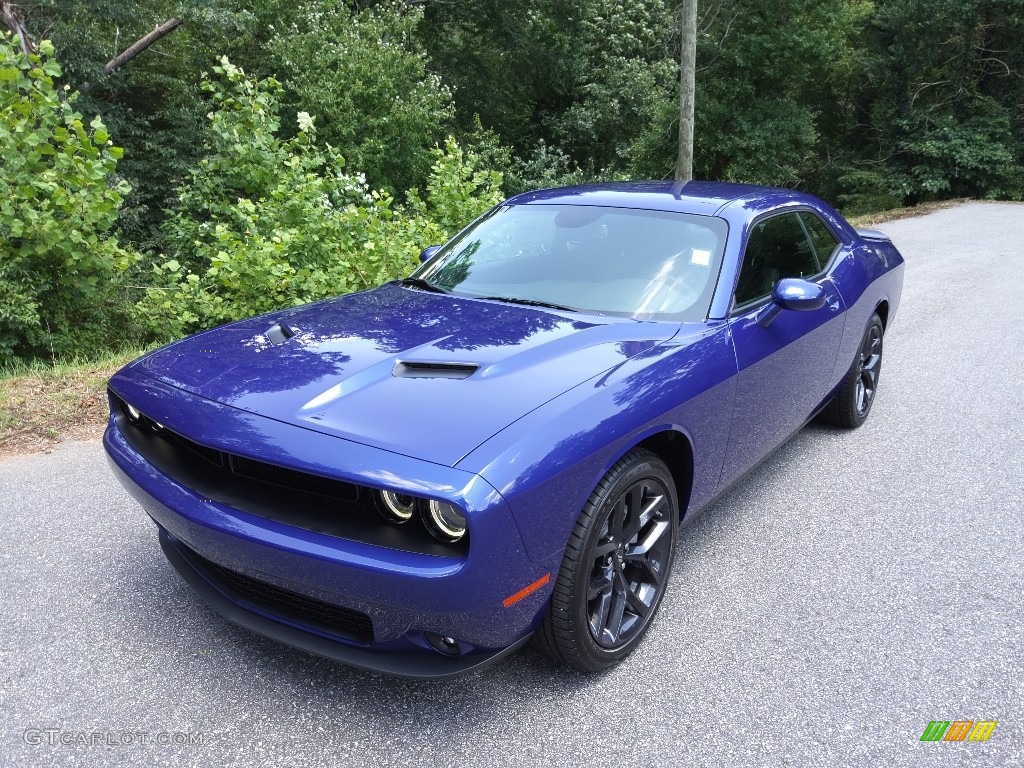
(418, 370)
(279, 333)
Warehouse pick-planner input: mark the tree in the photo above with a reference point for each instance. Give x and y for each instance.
(366, 80)
(937, 104)
(58, 201)
(624, 82)
(138, 47)
(145, 85)
(509, 62)
(11, 17)
(267, 220)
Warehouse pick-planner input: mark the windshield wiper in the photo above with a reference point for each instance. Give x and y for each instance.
(423, 285)
(528, 302)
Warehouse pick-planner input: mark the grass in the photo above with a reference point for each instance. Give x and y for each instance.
(45, 403)
(868, 220)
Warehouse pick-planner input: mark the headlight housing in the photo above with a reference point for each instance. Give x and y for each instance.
(133, 413)
(139, 419)
(391, 518)
(397, 507)
(443, 521)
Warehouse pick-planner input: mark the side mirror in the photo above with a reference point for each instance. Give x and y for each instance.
(429, 251)
(792, 293)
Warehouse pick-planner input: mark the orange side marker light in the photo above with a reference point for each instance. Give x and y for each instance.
(526, 591)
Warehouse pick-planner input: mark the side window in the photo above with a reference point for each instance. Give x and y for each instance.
(822, 239)
(776, 247)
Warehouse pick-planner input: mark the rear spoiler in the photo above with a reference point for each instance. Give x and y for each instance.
(874, 235)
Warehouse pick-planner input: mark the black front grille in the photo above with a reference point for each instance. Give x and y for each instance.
(300, 482)
(276, 601)
(301, 499)
(216, 458)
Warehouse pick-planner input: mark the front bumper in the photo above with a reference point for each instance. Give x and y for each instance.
(417, 665)
(407, 596)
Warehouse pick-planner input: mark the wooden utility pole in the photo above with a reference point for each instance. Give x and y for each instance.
(687, 84)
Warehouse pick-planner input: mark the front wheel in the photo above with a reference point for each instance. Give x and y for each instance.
(616, 566)
(852, 404)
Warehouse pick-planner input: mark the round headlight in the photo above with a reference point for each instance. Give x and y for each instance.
(397, 507)
(133, 413)
(445, 521)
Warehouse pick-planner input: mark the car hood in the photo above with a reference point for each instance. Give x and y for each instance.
(422, 374)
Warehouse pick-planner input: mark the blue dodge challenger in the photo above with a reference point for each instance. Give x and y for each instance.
(419, 478)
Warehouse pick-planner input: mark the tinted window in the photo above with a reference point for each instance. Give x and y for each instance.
(776, 248)
(616, 261)
(822, 239)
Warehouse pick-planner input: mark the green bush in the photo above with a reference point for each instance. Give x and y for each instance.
(361, 73)
(265, 222)
(939, 156)
(57, 202)
(950, 156)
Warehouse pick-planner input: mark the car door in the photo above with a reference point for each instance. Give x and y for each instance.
(784, 368)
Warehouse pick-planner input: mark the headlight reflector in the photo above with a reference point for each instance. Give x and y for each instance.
(445, 522)
(397, 507)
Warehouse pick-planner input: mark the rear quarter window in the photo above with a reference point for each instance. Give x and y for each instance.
(824, 242)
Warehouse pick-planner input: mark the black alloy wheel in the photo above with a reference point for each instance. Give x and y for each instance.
(869, 367)
(852, 403)
(616, 566)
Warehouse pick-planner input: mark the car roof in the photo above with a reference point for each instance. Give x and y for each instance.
(703, 197)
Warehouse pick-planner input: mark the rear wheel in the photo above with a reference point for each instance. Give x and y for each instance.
(616, 566)
(852, 404)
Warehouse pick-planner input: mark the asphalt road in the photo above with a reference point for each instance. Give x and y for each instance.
(857, 586)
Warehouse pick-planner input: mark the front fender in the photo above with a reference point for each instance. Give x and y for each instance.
(547, 464)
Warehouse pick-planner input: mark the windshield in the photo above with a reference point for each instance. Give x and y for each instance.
(650, 265)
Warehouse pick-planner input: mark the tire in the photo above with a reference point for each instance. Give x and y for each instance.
(852, 403)
(616, 566)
